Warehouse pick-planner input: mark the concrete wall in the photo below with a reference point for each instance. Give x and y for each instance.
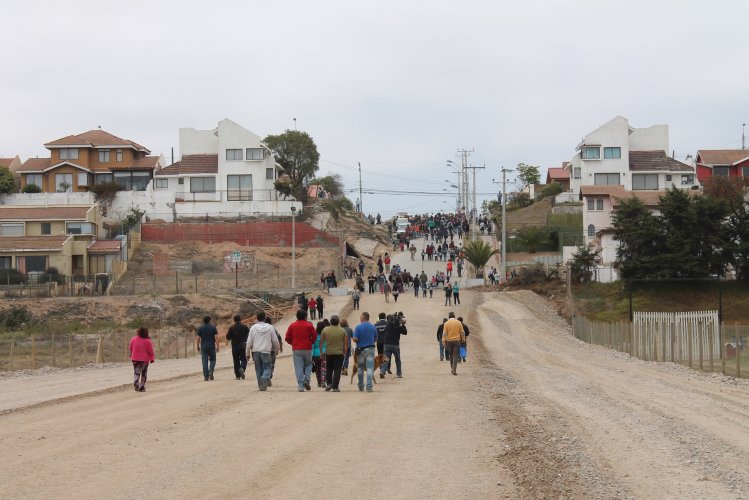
(601, 219)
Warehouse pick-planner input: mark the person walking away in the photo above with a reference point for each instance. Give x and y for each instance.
(274, 354)
(334, 342)
(449, 269)
(312, 305)
(237, 335)
(412, 249)
(440, 330)
(393, 330)
(317, 356)
(301, 335)
(460, 267)
(364, 338)
(448, 293)
(417, 283)
(464, 345)
(262, 341)
(319, 306)
(380, 337)
(452, 337)
(207, 343)
(347, 355)
(356, 296)
(141, 354)
(371, 280)
(387, 263)
(380, 267)
(386, 291)
(456, 294)
(396, 292)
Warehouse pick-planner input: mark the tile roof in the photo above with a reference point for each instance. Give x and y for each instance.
(648, 198)
(557, 173)
(192, 164)
(94, 138)
(722, 156)
(646, 161)
(145, 163)
(35, 165)
(5, 162)
(104, 247)
(33, 243)
(607, 190)
(17, 212)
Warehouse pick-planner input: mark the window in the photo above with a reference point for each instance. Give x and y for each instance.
(68, 154)
(80, 228)
(12, 229)
(644, 181)
(720, 171)
(181, 181)
(46, 228)
(576, 172)
(591, 153)
(82, 179)
(599, 204)
(591, 204)
(140, 180)
(35, 179)
(270, 173)
(36, 264)
(254, 153)
(745, 171)
(162, 183)
(64, 183)
(591, 230)
(239, 187)
(668, 178)
(124, 180)
(687, 180)
(612, 153)
(606, 179)
(5, 262)
(233, 154)
(103, 178)
(203, 184)
(103, 156)
(118, 156)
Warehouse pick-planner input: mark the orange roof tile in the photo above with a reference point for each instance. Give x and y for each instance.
(35, 165)
(648, 198)
(645, 161)
(94, 138)
(192, 164)
(105, 247)
(33, 243)
(722, 156)
(17, 212)
(145, 163)
(558, 173)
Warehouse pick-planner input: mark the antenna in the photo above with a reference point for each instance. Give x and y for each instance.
(743, 136)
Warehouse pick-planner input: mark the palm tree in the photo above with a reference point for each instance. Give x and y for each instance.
(478, 253)
(532, 237)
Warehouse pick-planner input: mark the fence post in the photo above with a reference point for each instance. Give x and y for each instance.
(176, 281)
(701, 341)
(689, 343)
(99, 351)
(33, 352)
(54, 351)
(10, 357)
(738, 355)
(70, 351)
(85, 347)
(722, 348)
(710, 338)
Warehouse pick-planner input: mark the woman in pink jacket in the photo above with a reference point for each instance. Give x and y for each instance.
(141, 354)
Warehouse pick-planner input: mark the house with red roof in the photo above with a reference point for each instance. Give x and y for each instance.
(722, 163)
(77, 162)
(559, 175)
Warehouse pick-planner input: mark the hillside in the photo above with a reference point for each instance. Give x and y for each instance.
(534, 215)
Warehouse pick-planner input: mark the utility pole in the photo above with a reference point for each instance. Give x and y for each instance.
(474, 214)
(464, 153)
(743, 136)
(503, 277)
(361, 196)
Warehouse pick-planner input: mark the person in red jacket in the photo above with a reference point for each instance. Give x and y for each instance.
(312, 306)
(301, 335)
(141, 354)
(449, 268)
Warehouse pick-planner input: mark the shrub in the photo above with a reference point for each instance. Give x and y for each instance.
(533, 237)
(12, 277)
(552, 189)
(32, 188)
(15, 318)
(52, 276)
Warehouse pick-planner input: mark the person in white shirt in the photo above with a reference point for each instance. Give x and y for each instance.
(261, 343)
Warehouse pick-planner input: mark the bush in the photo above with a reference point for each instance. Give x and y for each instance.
(15, 318)
(12, 277)
(552, 189)
(533, 237)
(32, 188)
(52, 276)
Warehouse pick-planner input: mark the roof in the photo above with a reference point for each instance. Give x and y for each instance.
(94, 138)
(646, 161)
(558, 173)
(192, 164)
(648, 198)
(35, 165)
(33, 243)
(105, 247)
(16, 212)
(607, 190)
(5, 162)
(145, 163)
(722, 156)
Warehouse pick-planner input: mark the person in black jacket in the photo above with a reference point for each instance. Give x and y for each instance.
(237, 335)
(464, 345)
(396, 326)
(440, 328)
(380, 327)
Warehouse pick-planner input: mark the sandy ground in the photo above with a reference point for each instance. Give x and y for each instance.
(533, 414)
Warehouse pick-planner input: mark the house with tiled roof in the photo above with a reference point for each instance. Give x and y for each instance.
(77, 162)
(560, 175)
(722, 163)
(12, 164)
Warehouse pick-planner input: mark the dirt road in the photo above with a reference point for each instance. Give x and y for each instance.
(533, 414)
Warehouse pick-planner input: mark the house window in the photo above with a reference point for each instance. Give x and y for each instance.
(612, 153)
(5, 262)
(140, 180)
(68, 154)
(644, 181)
(12, 229)
(668, 178)
(721, 171)
(254, 153)
(599, 204)
(745, 171)
(576, 172)
(203, 184)
(64, 183)
(239, 187)
(35, 179)
(103, 156)
(46, 228)
(36, 264)
(591, 204)
(82, 179)
(181, 181)
(591, 230)
(162, 183)
(103, 178)
(687, 180)
(124, 179)
(118, 155)
(270, 173)
(80, 228)
(606, 179)
(591, 153)
(233, 154)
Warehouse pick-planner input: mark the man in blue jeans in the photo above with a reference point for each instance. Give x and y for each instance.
(396, 326)
(261, 343)
(364, 337)
(301, 335)
(206, 339)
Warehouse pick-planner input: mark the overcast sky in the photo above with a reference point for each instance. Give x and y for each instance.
(396, 85)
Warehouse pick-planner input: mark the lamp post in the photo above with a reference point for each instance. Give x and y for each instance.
(293, 247)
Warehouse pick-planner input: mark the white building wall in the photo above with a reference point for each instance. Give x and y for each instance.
(653, 138)
(601, 219)
(192, 141)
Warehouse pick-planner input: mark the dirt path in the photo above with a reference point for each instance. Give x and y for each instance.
(533, 414)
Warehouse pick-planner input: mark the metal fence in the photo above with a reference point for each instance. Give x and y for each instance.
(57, 286)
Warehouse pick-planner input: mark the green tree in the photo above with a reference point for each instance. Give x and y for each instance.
(737, 242)
(638, 234)
(728, 191)
(519, 200)
(105, 194)
(582, 264)
(528, 174)
(478, 253)
(7, 181)
(297, 153)
(331, 183)
(532, 237)
(552, 189)
(32, 188)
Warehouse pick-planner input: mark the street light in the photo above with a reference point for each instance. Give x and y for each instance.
(293, 247)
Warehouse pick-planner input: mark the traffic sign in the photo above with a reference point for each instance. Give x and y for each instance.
(236, 256)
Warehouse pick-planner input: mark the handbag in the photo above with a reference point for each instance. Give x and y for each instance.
(462, 351)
